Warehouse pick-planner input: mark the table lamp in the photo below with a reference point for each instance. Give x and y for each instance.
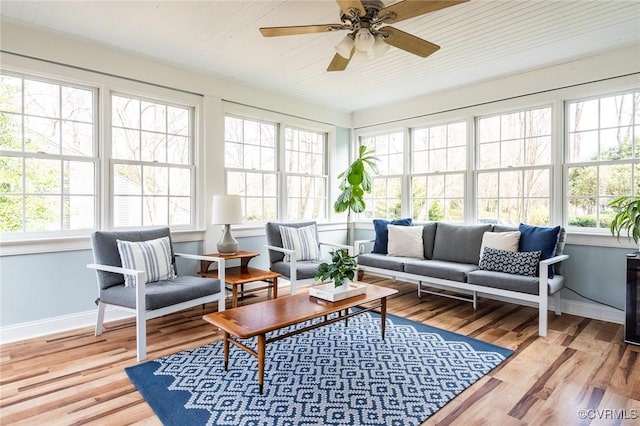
(227, 210)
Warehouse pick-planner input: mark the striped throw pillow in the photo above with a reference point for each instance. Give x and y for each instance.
(303, 240)
(153, 257)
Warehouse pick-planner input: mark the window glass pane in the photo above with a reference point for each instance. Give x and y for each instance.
(125, 144)
(616, 111)
(43, 176)
(77, 104)
(155, 211)
(79, 178)
(512, 126)
(178, 150)
(77, 138)
(154, 147)
(42, 213)
(178, 121)
(489, 129)
(127, 179)
(127, 211)
(233, 129)
(41, 99)
(10, 94)
(10, 132)
(42, 135)
(583, 146)
(180, 182)
(583, 115)
(153, 117)
(156, 180)
(179, 211)
(79, 212)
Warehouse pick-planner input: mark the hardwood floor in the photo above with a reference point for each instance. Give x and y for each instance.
(75, 378)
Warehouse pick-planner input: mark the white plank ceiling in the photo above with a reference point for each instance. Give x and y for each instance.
(479, 40)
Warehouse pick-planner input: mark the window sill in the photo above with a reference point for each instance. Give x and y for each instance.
(75, 242)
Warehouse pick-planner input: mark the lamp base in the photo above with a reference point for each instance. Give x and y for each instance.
(227, 244)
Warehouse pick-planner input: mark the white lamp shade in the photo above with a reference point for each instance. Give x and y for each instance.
(344, 47)
(364, 40)
(226, 210)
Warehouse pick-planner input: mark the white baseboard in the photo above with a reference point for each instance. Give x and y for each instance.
(31, 329)
(28, 330)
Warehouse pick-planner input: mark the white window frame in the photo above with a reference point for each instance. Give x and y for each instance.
(26, 155)
(568, 163)
(522, 170)
(445, 174)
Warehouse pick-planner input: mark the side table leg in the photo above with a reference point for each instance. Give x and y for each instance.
(226, 351)
(234, 299)
(383, 315)
(275, 288)
(262, 343)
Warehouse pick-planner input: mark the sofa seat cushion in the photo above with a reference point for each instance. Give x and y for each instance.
(162, 293)
(305, 269)
(512, 282)
(382, 261)
(440, 269)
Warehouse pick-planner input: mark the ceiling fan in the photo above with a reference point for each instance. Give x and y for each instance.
(368, 35)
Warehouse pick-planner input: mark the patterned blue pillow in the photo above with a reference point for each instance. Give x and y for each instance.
(512, 262)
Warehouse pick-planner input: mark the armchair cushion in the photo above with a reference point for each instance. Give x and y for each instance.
(153, 257)
(162, 293)
(302, 240)
(304, 269)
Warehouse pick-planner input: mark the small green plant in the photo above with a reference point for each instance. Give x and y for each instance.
(342, 267)
(627, 218)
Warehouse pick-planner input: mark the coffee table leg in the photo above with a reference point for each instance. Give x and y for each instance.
(226, 351)
(261, 358)
(383, 315)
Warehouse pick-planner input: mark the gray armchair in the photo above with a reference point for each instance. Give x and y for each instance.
(298, 272)
(147, 300)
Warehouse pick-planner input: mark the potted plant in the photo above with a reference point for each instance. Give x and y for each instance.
(355, 182)
(341, 270)
(627, 218)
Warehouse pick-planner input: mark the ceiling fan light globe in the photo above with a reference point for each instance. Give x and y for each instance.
(380, 47)
(344, 47)
(364, 40)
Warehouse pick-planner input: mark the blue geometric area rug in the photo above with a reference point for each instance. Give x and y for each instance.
(333, 375)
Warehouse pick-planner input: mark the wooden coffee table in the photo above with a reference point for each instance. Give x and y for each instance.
(258, 319)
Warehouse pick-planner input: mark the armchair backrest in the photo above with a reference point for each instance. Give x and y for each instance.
(274, 238)
(105, 250)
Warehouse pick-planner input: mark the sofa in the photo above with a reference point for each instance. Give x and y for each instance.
(521, 263)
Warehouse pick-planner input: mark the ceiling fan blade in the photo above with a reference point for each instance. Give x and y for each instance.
(339, 63)
(299, 29)
(408, 42)
(409, 8)
(345, 5)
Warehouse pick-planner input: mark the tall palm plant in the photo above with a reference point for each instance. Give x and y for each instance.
(355, 182)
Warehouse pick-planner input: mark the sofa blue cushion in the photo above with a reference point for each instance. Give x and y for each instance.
(543, 238)
(382, 233)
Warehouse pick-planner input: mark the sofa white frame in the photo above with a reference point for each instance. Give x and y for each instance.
(541, 299)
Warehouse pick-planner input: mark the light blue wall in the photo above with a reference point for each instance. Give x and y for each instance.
(45, 285)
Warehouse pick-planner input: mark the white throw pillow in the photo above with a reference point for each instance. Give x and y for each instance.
(406, 241)
(303, 240)
(152, 256)
(500, 240)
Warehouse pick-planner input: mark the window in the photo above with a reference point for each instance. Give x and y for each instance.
(251, 168)
(513, 179)
(602, 156)
(305, 172)
(385, 200)
(438, 172)
(47, 156)
(152, 167)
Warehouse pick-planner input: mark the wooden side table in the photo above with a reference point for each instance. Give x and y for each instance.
(238, 276)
